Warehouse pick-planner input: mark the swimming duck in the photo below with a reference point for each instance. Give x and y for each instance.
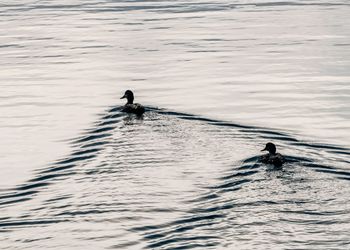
(272, 157)
(130, 106)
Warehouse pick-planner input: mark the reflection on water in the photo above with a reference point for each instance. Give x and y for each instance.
(174, 180)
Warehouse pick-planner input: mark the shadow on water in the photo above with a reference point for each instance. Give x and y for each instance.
(208, 213)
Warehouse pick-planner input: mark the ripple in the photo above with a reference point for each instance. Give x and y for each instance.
(188, 176)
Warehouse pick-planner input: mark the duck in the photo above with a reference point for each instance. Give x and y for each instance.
(130, 106)
(272, 157)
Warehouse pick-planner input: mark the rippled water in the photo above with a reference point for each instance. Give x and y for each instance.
(219, 79)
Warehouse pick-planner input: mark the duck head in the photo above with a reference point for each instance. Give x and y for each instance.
(270, 147)
(129, 96)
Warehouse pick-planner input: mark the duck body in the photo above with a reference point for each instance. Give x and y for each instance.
(275, 159)
(134, 108)
(272, 157)
(130, 106)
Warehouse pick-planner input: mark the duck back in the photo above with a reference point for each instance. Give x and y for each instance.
(134, 108)
(275, 159)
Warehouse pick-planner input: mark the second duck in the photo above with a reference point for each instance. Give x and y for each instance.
(130, 106)
(272, 157)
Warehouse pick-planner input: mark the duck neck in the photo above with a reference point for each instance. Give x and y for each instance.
(130, 100)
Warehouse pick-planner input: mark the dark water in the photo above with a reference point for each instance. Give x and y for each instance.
(219, 79)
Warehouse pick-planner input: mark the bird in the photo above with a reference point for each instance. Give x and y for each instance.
(130, 106)
(272, 157)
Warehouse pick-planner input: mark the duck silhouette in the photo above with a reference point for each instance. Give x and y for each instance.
(272, 157)
(130, 106)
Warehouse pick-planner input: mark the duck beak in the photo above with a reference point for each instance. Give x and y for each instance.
(264, 149)
(124, 96)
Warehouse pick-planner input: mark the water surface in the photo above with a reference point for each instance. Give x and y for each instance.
(219, 80)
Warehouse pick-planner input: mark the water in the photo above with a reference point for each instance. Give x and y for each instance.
(219, 80)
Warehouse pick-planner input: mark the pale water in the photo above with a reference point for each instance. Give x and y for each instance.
(219, 79)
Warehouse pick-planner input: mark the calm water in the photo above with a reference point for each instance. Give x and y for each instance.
(219, 80)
